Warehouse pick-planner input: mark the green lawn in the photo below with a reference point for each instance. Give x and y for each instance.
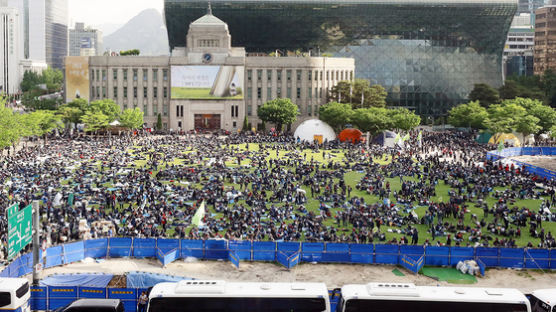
(352, 178)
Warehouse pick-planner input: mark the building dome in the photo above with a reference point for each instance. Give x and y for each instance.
(209, 20)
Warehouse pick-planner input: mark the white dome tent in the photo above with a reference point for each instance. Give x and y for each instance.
(314, 129)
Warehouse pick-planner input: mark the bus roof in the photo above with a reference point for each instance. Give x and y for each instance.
(11, 284)
(397, 291)
(546, 295)
(196, 288)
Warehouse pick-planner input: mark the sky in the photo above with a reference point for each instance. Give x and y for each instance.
(99, 12)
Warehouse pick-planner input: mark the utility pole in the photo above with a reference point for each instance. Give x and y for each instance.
(36, 235)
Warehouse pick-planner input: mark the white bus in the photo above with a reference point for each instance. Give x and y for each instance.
(14, 294)
(199, 296)
(543, 300)
(386, 297)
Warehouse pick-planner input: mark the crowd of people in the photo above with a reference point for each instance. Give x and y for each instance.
(272, 187)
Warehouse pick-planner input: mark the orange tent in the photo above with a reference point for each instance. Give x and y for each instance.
(352, 135)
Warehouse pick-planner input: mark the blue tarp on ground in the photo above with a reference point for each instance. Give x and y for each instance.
(146, 280)
(88, 280)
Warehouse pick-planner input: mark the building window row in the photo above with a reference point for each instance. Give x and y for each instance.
(96, 74)
(317, 74)
(97, 95)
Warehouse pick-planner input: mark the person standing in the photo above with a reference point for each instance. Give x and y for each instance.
(142, 304)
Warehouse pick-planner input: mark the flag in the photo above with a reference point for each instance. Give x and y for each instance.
(501, 145)
(406, 137)
(420, 137)
(199, 215)
(397, 139)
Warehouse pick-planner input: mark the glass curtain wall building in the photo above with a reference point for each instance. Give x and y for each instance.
(56, 27)
(428, 54)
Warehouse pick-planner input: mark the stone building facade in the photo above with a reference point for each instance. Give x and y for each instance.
(163, 84)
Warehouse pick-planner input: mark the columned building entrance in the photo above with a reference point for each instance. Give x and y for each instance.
(207, 122)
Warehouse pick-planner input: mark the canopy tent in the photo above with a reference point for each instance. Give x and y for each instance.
(386, 138)
(351, 135)
(314, 129)
(483, 137)
(506, 138)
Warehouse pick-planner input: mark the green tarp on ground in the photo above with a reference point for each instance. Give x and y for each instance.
(397, 272)
(450, 275)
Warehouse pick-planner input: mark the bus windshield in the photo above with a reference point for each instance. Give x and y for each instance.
(201, 304)
(538, 305)
(357, 305)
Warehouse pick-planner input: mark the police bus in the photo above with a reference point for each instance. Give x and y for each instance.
(198, 295)
(385, 297)
(543, 300)
(14, 295)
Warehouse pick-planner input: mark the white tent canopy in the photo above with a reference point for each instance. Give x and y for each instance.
(314, 129)
(115, 123)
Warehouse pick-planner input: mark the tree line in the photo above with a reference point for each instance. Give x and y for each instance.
(96, 115)
(356, 103)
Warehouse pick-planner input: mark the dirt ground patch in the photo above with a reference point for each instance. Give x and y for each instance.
(334, 275)
(546, 162)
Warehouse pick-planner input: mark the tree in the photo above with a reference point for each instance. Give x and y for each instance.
(279, 112)
(485, 94)
(9, 130)
(471, 115)
(527, 125)
(159, 122)
(30, 80)
(70, 114)
(404, 119)
(245, 124)
(107, 107)
(526, 87)
(53, 78)
(42, 122)
(545, 114)
(132, 118)
(130, 52)
(95, 120)
(510, 90)
(373, 119)
(337, 115)
(376, 97)
(504, 118)
(73, 111)
(359, 93)
(548, 83)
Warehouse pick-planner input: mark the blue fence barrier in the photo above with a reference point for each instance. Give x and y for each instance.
(413, 265)
(144, 247)
(521, 151)
(233, 257)
(169, 250)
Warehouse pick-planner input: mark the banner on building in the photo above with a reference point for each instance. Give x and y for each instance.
(207, 82)
(77, 78)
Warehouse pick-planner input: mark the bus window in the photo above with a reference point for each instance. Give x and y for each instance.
(262, 304)
(538, 305)
(357, 305)
(5, 299)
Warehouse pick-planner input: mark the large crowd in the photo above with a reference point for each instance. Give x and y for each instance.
(273, 187)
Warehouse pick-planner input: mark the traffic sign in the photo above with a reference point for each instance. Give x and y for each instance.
(19, 229)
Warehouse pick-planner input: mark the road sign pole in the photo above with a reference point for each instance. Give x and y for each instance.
(36, 247)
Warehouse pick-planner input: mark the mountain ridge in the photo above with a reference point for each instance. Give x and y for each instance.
(145, 31)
